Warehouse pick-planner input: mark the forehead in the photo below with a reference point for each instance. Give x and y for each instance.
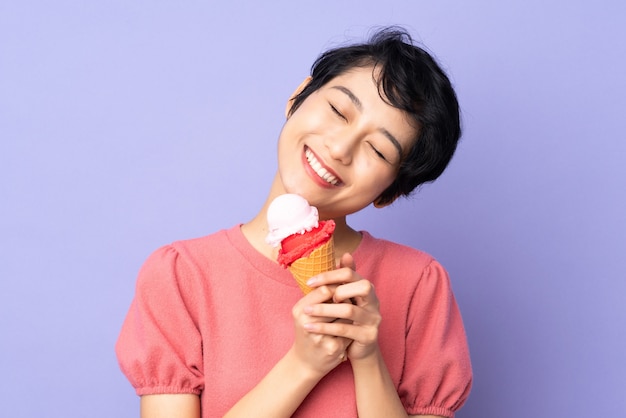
(366, 77)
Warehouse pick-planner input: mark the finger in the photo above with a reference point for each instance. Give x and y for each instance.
(344, 354)
(319, 294)
(335, 277)
(329, 344)
(345, 312)
(347, 260)
(359, 293)
(343, 329)
(321, 313)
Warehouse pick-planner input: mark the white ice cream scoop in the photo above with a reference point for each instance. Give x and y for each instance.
(289, 214)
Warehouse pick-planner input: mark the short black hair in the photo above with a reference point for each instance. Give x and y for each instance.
(411, 80)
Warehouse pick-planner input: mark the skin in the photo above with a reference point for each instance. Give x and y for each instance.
(359, 139)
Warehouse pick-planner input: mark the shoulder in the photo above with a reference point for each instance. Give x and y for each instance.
(399, 267)
(194, 247)
(392, 253)
(189, 251)
(181, 260)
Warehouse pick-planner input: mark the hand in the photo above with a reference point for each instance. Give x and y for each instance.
(319, 352)
(358, 322)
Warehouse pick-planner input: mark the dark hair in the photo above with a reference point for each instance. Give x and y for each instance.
(409, 80)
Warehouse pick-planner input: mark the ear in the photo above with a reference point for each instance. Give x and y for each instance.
(378, 203)
(295, 93)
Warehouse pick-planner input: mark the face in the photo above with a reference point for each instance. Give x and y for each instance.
(342, 147)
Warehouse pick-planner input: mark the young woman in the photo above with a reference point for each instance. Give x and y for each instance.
(218, 328)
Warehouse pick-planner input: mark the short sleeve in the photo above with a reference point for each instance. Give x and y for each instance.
(437, 375)
(159, 348)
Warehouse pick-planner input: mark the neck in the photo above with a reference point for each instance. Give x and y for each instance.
(255, 231)
(346, 238)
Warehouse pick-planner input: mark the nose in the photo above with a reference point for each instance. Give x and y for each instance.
(341, 147)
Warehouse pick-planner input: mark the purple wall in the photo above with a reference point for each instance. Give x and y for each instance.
(124, 126)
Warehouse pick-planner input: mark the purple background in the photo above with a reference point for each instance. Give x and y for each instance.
(126, 125)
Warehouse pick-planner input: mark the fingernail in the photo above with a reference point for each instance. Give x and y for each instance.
(311, 281)
(308, 309)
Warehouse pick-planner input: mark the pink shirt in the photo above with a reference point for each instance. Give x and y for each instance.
(211, 316)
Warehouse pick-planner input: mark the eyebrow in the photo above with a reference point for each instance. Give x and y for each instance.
(357, 103)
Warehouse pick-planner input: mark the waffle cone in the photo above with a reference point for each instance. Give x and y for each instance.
(320, 260)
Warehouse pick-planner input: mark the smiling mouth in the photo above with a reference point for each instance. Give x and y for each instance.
(319, 170)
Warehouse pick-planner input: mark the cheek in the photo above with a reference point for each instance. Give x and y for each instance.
(378, 173)
(374, 180)
(312, 116)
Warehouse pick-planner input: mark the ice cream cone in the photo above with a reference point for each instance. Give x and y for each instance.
(320, 260)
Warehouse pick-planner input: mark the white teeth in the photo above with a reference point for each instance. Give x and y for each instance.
(319, 170)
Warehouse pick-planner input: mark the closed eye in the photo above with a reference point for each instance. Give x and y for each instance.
(338, 113)
(378, 153)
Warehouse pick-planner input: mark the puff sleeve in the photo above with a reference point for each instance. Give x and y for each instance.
(159, 348)
(437, 375)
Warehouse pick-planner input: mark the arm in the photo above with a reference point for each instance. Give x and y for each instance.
(170, 406)
(184, 406)
(310, 358)
(284, 388)
(280, 392)
(375, 392)
(160, 342)
(376, 395)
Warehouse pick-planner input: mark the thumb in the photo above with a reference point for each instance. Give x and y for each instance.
(347, 260)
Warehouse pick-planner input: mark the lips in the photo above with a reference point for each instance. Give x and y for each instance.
(324, 173)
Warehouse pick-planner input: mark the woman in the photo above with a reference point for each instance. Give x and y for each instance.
(218, 328)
